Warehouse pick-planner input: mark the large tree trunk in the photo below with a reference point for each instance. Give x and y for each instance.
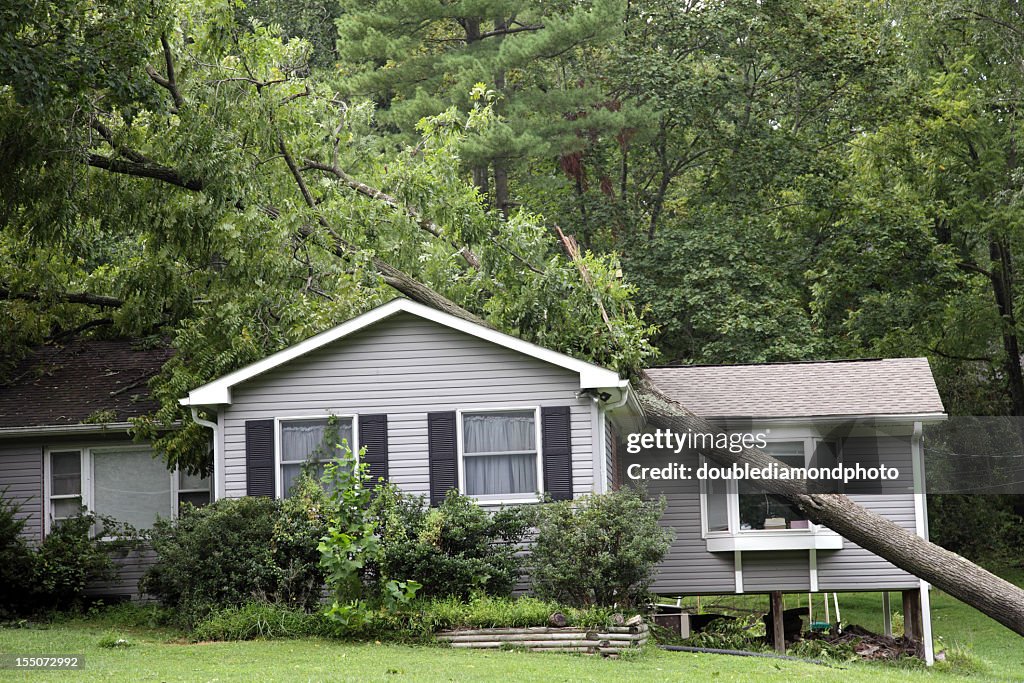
(945, 570)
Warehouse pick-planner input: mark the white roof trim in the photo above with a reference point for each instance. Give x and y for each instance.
(218, 392)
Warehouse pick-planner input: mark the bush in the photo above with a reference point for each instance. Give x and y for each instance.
(54, 575)
(239, 550)
(455, 549)
(598, 550)
(17, 562)
(74, 555)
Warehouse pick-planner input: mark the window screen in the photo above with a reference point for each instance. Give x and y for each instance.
(131, 486)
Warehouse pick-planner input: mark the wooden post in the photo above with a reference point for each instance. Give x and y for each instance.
(886, 614)
(778, 631)
(912, 615)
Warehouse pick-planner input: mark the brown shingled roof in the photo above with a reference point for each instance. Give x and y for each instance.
(891, 386)
(64, 385)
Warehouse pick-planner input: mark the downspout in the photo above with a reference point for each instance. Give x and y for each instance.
(921, 514)
(216, 449)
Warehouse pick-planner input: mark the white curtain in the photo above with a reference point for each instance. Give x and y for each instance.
(511, 438)
(303, 440)
(131, 487)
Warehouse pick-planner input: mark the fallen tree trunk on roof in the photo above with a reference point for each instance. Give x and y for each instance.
(961, 578)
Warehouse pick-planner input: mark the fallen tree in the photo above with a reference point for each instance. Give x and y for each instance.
(962, 579)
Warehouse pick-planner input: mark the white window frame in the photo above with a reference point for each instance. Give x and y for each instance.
(86, 453)
(279, 463)
(501, 498)
(735, 538)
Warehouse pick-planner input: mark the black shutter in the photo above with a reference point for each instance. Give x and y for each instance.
(259, 458)
(556, 442)
(442, 451)
(373, 435)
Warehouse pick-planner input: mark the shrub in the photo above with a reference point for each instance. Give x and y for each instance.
(598, 550)
(73, 555)
(239, 550)
(54, 575)
(454, 549)
(17, 561)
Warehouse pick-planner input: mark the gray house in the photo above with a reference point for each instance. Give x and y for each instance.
(442, 403)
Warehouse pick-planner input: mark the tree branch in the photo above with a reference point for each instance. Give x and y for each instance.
(510, 30)
(68, 297)
(145, 170)
(170, 83)
(379, 195)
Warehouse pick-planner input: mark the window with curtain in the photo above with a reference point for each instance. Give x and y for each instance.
(310, 444)
(65, 484)
(499, 452)
(131, 486)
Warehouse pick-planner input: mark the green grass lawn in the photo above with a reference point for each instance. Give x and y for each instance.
(158, 655)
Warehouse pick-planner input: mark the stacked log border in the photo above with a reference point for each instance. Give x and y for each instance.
(610, 640)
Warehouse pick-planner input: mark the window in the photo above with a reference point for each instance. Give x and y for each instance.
(759, 509)
(733, 508)
(65, 484)
(128, 484)
(311, 443)
(193, 489)
(131, 486)
(499, 454)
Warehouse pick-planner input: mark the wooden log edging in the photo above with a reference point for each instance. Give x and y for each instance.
(606, 641)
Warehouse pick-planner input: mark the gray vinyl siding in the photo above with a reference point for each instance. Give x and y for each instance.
(405, 366)
(853, 567)
(131, 566)
(21, 482)
(689, 569)
(782, 570)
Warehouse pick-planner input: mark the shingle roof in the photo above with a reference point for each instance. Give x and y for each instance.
(64, 385)
(891, 386)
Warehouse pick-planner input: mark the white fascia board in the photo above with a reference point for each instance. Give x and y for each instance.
(218, 392)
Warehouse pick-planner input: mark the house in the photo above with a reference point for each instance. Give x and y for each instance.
(64, 443)
(440, 403)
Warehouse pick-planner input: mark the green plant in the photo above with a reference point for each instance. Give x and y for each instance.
(742, 633)
(483, 611)
(17, 560)
(239, 550)
(260, 620)
(76, 553)
(115, 640)
(598, 550)
(454, 549)
(350, 541)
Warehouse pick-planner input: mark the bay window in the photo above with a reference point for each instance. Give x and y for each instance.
(742, 515)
